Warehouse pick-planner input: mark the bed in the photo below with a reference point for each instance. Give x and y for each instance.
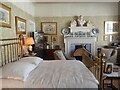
(33, 72)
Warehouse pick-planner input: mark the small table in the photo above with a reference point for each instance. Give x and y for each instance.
(112, 76)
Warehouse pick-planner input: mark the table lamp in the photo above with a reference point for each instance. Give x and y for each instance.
(29, 41)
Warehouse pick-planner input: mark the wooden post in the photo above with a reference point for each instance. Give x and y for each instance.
(102, 63)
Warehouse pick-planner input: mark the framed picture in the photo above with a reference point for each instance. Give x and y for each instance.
(106, 37)
(20, 25)
(49, 28)
(5, 16)
(109, 68)
(46, 38)
(111, 27)
(111, 37)
(54, 39)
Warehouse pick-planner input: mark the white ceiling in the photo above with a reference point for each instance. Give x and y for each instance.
(63, 0)
(34, 6)
(74, 0)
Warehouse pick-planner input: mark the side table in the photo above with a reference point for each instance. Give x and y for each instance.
(115, 75)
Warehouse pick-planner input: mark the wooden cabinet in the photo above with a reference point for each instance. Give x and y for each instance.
(46, 54)
(118, 56)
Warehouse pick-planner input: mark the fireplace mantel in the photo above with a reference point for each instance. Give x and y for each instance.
(70, 42)
(83, 29)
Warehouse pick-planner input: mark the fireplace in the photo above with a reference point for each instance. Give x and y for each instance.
(72, 43)
(86, 46)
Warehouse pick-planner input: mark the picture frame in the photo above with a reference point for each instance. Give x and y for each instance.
(5, 16)
(106, 37)
(111, 27)
(46, 37)
(20, 25)
(49, 28)
(111, 37)
(109, 68)
(54, 39)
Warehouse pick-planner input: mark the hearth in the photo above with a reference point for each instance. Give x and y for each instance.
(72, 43)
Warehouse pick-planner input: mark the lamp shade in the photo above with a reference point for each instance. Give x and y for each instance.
(29, 41)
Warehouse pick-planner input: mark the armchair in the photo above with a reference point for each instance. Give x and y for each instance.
(110, 54)
(59, 55)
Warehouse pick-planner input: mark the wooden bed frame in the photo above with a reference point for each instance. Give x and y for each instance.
(11, 51)
(95, 65)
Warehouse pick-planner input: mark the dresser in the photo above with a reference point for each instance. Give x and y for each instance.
(46, 54)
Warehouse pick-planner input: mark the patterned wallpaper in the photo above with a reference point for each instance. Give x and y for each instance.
(6, 33)
(15, 11)
(97, 21)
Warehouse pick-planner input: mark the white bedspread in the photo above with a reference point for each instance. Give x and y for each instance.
(57, 74)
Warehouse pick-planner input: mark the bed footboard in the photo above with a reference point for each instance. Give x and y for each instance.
(94, 64)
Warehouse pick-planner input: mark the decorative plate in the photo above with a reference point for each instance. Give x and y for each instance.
(65, 31)
(95, 30)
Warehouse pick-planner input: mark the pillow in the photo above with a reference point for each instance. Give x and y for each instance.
(107, 52)
(17, 70)
(32, 60)
(58, 55)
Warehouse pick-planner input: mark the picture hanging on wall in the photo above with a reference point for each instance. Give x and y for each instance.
(46, 37)
(49, 28)
(5, 16)
(111, 37)
(20, 25)
(111, 27)
(105, 37)
(54, 39)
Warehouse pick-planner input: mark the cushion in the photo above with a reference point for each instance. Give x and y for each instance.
(32, 60)
(58, 54)
(107, 52)
(17, 70)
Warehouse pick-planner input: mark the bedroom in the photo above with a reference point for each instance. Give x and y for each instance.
(62, 13)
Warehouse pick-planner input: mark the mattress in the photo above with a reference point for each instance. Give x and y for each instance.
(56, 74)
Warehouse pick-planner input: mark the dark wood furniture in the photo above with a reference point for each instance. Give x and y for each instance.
(118, 56)
(114, 76)
(30, 55)
(46, 54)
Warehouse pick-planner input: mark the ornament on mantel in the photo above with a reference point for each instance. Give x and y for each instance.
(89, 24)
(81, 21)
(73, 23)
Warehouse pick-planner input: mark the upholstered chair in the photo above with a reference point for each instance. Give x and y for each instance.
(58, 55)
(110, 54)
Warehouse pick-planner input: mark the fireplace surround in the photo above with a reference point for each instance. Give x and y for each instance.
(72, 42)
